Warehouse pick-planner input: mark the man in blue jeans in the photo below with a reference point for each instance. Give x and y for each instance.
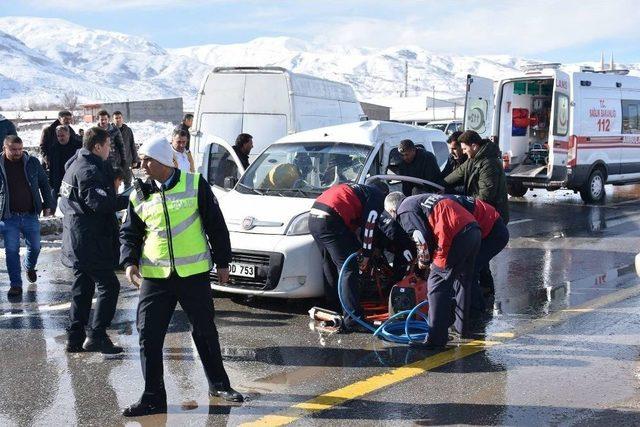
(23, 188)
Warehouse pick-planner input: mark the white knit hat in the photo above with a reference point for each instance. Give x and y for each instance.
(159, 149)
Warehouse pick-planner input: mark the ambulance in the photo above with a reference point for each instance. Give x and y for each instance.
(560, 127)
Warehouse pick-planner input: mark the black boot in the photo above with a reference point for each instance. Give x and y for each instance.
(103, 345)
(227, 393)
(140, 409)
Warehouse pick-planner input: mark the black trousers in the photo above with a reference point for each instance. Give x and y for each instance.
(441, 286)
(491, 246)
(158, 299)
(82, 292)
(337, 242)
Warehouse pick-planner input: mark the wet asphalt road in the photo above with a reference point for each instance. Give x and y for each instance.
(561, 348)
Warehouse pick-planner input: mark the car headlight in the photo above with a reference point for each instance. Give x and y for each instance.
(299, 225)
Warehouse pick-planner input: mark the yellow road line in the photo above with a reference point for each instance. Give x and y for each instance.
(369, 385)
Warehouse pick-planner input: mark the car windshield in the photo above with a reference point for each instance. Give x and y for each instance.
(303, 169)
(439, 126)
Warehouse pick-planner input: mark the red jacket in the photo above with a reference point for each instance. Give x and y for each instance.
(438, 219)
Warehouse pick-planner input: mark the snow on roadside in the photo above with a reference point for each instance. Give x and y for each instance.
(142, 131)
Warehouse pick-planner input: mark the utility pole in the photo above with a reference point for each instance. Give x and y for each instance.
(433, 101)
(406, 78)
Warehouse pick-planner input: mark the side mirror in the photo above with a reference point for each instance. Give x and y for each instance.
(230, 182)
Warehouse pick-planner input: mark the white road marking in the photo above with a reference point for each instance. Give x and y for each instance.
(625, 202)
(44, 308)
(620, 221)
(520, 221)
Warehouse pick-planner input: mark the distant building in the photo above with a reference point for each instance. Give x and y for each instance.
(157, 110)
(376, 112)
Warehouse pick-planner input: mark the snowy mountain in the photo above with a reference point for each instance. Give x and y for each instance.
(370, 72)
(44, 58)
(97, 65)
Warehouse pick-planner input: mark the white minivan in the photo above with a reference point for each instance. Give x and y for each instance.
(267, 210)
(268, 103)
(561, 127)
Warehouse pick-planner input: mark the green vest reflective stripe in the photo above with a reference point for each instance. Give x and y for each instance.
(181, 245)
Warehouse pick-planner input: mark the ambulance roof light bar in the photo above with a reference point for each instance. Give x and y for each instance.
(540, 66)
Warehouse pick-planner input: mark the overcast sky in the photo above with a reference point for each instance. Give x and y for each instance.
(563, 30)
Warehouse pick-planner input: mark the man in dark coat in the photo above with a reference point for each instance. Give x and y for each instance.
(6, 127)
(48, 138)
(131, 159)
(185, 125)
(59, 154)
(456, 155)
(90, 241)
(483, 177)
(242, 147)
(24, 194)
(417, 163)
(482, 174)
(116, 155)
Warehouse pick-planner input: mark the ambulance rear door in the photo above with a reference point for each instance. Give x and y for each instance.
(560, 127)
(479, 105)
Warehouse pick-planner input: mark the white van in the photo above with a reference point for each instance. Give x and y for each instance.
(268, 103)
(559, 128)
(267, 211)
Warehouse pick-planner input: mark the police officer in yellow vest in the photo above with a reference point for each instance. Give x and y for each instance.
(173, 228)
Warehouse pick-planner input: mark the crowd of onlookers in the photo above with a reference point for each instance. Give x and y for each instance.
(30, 186)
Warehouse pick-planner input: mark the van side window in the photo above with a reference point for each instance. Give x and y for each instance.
(630, 119)
(561, 114)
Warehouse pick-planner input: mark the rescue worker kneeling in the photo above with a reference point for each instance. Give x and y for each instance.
(448, 237)
(172, 225)
(334, 218)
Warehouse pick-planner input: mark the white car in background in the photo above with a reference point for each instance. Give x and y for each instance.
(446, 126)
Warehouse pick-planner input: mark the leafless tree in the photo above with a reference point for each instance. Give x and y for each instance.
(70, 100)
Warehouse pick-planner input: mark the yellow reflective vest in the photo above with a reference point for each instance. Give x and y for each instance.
(174, 238)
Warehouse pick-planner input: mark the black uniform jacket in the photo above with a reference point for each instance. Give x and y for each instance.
(89, 204)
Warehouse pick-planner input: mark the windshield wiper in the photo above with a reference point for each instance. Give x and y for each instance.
(272, 190)
(305, 193)
(252, 189)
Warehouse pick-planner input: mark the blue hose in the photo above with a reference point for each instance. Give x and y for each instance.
(399, 331)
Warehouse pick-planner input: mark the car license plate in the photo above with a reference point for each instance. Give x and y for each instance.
(243, 270)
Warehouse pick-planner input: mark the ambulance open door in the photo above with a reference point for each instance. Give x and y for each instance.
(479, 105)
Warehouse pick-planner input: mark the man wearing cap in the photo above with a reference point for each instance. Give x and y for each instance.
(417, 163)
(173, 234)
(89, 203)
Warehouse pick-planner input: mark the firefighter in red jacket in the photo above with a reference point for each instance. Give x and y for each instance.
(334, 219)
(448, 237)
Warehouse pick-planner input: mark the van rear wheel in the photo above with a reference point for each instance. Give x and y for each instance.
(516, 189)
(593, 190)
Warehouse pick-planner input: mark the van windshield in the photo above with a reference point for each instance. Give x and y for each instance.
(303, 169)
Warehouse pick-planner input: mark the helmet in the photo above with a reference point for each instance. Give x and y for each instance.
(283, 176)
